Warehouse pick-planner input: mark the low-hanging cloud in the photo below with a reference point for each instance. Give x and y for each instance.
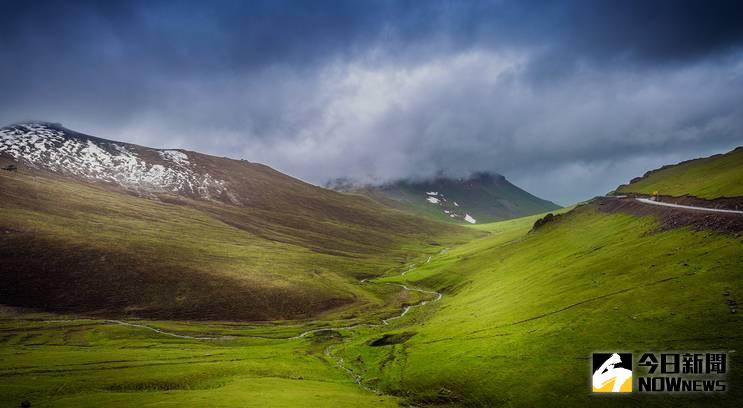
(567, 99)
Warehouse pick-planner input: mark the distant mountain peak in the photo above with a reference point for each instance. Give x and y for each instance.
(479, 197)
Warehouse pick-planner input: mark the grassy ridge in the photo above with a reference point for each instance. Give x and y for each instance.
(520, 319)
(710, 178)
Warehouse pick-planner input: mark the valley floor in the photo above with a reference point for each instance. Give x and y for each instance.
(80, 363)
(520, 315)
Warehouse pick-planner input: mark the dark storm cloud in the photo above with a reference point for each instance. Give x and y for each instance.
(187, 36)
(568, 98)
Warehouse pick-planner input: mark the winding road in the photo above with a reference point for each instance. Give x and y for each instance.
(687, 207)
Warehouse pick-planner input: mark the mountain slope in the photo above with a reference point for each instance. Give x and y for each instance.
(95, 226)
(519, 319)
(481, 198)
(524, 309)
(709, 178)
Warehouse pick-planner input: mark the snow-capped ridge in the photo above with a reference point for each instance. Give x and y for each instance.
(49, 146)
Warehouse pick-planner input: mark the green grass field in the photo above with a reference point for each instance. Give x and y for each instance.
(710, 178)
(520, 316)
(52, 362)
(522, 313)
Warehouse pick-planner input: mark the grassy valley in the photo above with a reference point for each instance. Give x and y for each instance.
(177, 300)
(524, 308)
(523, 312)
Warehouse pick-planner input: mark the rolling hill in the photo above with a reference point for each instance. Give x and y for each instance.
(709, 178)
(101, 227)
(480, 198)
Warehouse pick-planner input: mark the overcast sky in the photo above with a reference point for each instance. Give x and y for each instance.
(565, 98)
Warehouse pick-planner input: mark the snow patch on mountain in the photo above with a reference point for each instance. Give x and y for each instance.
(41, 146)
(434, 197)
(175, 156)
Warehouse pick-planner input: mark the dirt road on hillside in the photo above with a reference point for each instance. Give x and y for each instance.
(679, 212)
(687, 207)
